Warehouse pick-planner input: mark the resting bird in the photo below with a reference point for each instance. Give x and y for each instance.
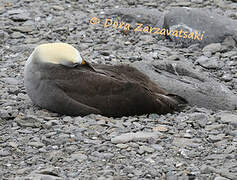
(58, 79)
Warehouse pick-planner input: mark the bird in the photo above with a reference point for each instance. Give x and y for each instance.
(58, 79)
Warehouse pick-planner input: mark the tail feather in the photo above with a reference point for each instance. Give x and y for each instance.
(179, 99)
(172, 101)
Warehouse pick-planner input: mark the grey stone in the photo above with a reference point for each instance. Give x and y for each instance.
(220, 178)
(36, 144)
(4, 114)
(148, 17)
(196, 87)
(214, 27)
(38, 176)
(228, 43)
(197, 1)
(4, 153)
(227, 77)
(173, 57)
(229, 54)
(17, 35)
(226, 117)
(23, 29)
(182, 142)
(206, 169)
(233, 133)
(215, 138)
(79, 157)
(122, 146)
(67, 119)
(213, 47)
(214, 127)
(58, 8)
(157, 147)
(19, 15)
(12, 81)
(146, 149)
(200, 118)
(171, 177)
(138, 136)
(28, 121)
(209, 63)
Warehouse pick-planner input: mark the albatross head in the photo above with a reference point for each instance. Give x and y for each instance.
(57, 53)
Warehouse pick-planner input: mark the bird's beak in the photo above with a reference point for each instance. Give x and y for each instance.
(83, 62)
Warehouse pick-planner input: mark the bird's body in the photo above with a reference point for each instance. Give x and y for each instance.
(100, 89)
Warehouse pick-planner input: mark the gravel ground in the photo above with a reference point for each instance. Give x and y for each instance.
(195, 144)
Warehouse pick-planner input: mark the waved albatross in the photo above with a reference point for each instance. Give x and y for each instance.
(58, 79)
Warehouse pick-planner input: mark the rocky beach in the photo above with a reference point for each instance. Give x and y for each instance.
(198, 143)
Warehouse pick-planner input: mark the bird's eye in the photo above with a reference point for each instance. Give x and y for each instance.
(69, 63)
(75, 64)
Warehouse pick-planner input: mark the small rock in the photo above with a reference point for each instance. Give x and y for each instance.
(182, 142)
(147, 149)
(19, 15)
(29, 121)
(173, 57)
(229, 42)
(233, 133)
(4, 153)
(228, 118)
(214, 127)
(209, 63)
(59, 8)
(157, 147)
(36, 144)
(68, 119)
(17, 35)
(215, 138)
(13, 144)
(79, 157)
(220, 178)
(122, 146)
(23, 29)
(161, 128)
(227, 77)
(9, 80)
(197, 1)
(214, 47)
(138, 136)
(206, 169)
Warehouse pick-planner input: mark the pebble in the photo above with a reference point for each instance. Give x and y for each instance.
(161, 128)
(227, 77)
(182, 142)
(36, 144)
(215, 138)
(122, 146)
(78, 157)
(213, 48)
(23, 29)
(228, 118)
(11, 81)
(4, 153)
(220, 178)
(138, 136)
(214, 127)
(146, 149)
(209, 63)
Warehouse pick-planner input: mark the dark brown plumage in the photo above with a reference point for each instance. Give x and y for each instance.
(109, 90)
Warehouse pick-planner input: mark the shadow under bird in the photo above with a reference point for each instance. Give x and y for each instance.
(58, 79)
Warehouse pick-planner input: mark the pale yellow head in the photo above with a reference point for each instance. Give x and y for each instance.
(57, 53)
